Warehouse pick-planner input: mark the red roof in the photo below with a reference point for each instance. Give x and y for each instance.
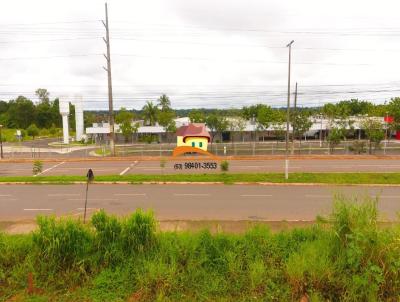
(193, 130)
(388, 119)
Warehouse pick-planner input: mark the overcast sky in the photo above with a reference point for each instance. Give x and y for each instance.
(209, 53)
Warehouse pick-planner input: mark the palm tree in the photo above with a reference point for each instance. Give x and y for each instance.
(150, 113)
(164, 103)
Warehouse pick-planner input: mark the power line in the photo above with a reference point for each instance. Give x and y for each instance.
(51, 57)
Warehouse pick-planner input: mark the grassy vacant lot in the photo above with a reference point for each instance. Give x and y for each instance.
(344, 257)
(326, 178)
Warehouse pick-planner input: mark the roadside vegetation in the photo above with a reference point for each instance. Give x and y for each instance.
(224, 177)
(343, 257)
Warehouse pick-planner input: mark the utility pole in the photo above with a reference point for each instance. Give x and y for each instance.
(294, 113)
(110, 94)
(288, 114)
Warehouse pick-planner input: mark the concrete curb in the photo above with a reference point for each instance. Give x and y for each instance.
(196, 183)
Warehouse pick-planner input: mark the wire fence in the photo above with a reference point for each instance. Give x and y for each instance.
(310, 147)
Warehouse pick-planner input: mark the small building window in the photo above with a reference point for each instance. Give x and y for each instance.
(193, 144)
(200, 144)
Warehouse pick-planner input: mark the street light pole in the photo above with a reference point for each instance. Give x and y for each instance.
(109, 79)
(288, 114)
(1, 143)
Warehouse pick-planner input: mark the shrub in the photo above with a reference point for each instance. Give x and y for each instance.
(224, 166)
(312, 270)
(33, 131)
(107, 237)
(37, 167)
(358, 147)
(63, 243)
(138, 232)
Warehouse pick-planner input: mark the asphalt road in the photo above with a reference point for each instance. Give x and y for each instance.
(236, 166)
(188, 202)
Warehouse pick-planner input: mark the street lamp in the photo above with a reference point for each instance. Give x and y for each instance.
(288, 114)
(1, 143)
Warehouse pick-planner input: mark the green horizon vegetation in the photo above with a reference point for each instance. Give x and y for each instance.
(344, 178)
(345, 256)
(21, 113)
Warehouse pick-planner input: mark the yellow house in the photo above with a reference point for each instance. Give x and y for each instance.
(193, 135)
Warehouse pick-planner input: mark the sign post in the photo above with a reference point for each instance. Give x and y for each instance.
(89, 178)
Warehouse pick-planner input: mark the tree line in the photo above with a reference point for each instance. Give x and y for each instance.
(23, 113)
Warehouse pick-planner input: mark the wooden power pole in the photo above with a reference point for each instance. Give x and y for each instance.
(110, 94)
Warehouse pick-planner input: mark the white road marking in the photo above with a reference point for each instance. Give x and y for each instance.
(62, 194)
(5, 195)
(127, 169)
(263, 167)
(92, 199)
(94, 169)
(190, 194)
(256, 195)
(51, 168)
(38, 210)
(131, 194)
(379, 166)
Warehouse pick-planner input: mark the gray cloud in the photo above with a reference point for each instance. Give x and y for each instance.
(204, 53)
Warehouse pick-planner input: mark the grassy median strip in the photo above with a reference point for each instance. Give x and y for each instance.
(227, 178)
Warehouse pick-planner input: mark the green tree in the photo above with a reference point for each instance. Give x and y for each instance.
(150, 113)
(43, 95)
(135, 128)
(126, 129)
(374, 131)
(197, 116)
(44, 115)
(265, 117)
(164, 103)
(335, 136)
(21, 113)
(166, 120)
(124, 116)
(33, 131)
(89, 118)
(3, 107)
(393, 109)
(217, 124)
(301, 123)
(71, 117)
